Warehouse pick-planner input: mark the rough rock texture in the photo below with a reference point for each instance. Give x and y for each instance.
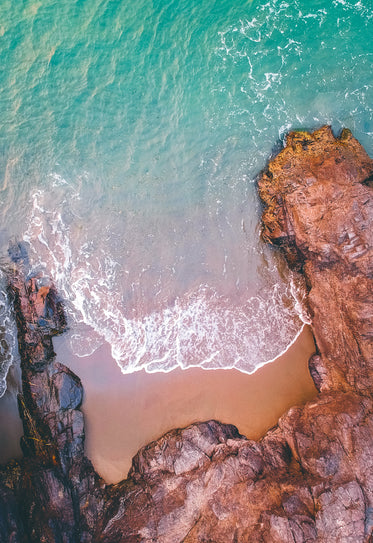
(51, 484)
(309, 479)
(319, 209)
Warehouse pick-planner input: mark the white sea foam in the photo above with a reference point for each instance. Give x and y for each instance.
(200, 327)
(8, 334)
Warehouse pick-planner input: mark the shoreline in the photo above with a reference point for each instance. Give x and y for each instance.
(114, 467)
(226, 368)
(307, 479)
(124, 412)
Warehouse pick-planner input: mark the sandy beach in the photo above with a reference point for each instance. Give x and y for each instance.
(125, 412)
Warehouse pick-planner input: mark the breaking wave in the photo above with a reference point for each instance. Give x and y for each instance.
(200, 327)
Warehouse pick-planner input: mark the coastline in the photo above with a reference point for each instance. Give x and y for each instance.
(160, 401)
(124, 412)
(309, 478)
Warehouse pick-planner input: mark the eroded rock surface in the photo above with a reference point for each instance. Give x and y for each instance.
(309, 479)
(319, 208)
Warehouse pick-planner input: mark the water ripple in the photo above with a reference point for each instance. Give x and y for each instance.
(131, 137)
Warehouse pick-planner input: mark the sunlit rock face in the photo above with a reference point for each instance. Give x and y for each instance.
(319, 207)
(309, 479)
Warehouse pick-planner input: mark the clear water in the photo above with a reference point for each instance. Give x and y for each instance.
(131, 135)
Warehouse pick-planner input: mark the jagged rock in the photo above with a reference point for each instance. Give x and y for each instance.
(47, 484)
(308, 479)
(319, 209)
(181, 451)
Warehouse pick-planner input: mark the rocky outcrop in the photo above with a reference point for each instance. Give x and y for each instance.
(308, 479)
(319, 209)
(49, 486)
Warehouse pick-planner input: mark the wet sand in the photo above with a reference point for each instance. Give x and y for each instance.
(125, 412)
(10, 423)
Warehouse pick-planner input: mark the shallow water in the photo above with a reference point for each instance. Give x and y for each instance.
(131, 136)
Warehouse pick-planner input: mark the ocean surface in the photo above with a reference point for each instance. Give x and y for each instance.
(131, 135)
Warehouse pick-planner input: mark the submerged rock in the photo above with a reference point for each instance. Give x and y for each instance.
(308, 479)
(18, 252)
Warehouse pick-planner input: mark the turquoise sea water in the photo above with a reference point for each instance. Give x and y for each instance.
(131, 135)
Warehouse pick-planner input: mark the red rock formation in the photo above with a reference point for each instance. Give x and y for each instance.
(309, 479)
(319, 208)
